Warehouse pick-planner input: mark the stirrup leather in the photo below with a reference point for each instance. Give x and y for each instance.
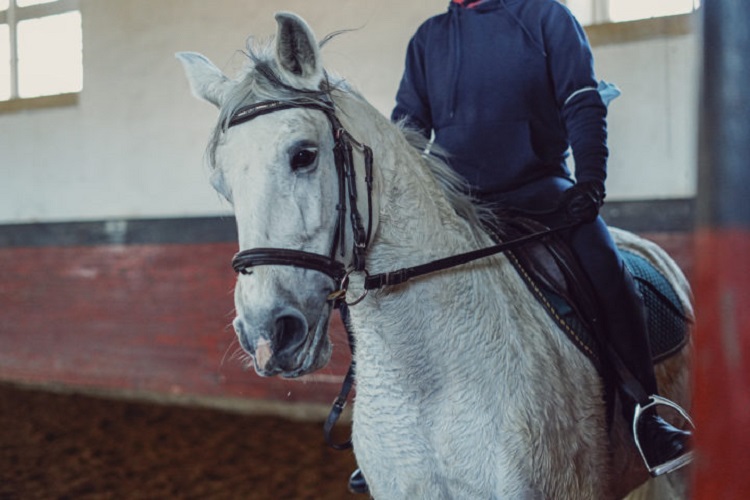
(671, 465)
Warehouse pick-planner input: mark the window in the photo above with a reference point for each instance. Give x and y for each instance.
(614, 11)
(40, 48)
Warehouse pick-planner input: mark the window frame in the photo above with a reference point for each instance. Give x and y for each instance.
(640, 30)
(599, 13)
(11, 17)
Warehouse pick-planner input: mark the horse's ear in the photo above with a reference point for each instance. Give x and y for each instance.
(206, 80)
(297, 51)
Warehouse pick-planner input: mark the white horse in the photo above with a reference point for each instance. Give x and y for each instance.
(466, 388)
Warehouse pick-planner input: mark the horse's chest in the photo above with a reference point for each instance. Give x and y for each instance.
(440, 434)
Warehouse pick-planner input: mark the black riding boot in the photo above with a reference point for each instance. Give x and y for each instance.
(664, 448)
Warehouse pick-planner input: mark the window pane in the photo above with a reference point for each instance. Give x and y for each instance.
(50, 55)
(583, 10)
(26, 3)
(4, 62)
(4, 4)
(628, 10)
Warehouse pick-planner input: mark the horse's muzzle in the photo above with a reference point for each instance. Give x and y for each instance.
(278, 348)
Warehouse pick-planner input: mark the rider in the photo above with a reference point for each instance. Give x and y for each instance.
(506, 87)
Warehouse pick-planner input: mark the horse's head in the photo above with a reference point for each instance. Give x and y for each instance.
(273, 159)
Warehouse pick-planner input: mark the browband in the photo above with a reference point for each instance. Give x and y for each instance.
(247, 113)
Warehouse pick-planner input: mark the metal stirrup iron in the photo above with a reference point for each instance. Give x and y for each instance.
(670, 465)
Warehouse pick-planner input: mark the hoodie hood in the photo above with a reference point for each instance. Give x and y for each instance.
(481, 5)
(509, 6)
(457, 8)
(469, 4)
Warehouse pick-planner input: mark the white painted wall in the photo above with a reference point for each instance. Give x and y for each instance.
(133, 146)
(653, 124)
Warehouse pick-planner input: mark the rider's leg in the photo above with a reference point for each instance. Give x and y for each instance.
(619, 300)
(663, 445)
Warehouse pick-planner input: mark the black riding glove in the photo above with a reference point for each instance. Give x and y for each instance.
(581, 202)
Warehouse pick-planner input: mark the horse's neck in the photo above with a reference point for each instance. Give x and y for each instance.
(417, 224)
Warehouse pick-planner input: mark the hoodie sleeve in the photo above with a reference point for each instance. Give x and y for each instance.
(571, 67)
(411, 99)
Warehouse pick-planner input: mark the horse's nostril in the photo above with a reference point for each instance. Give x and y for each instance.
(290, 330)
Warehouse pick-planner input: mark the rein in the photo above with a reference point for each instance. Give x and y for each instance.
(407, 273)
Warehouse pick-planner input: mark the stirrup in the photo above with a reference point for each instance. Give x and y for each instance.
(358, 483)
(670, 465)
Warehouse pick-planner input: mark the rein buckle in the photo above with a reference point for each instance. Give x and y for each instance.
(340, 294)
(336, 295)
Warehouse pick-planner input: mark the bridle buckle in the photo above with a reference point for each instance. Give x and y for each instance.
(340, 294)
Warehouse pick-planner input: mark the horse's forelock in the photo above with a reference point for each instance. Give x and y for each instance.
(260, 80)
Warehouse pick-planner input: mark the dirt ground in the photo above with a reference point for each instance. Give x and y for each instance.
(55, 446)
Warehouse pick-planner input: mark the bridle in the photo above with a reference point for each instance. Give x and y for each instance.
(344, 143)
(343, 146)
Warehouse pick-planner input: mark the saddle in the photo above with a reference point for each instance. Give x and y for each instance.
(553, 275)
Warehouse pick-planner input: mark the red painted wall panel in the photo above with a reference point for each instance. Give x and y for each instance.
(722, 367)
(149, 318)
(153, 318)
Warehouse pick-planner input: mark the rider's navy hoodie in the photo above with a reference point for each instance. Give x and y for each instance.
(506, 86)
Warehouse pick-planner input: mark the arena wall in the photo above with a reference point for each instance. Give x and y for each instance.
(114, 250)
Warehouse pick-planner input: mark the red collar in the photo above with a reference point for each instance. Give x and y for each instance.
(469, 4)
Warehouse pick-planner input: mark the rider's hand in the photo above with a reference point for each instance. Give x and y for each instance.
(581, 202)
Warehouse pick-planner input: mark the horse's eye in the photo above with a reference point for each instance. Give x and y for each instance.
(303, 158)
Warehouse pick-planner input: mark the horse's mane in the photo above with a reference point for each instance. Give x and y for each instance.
(260, 80)
(455, 187)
